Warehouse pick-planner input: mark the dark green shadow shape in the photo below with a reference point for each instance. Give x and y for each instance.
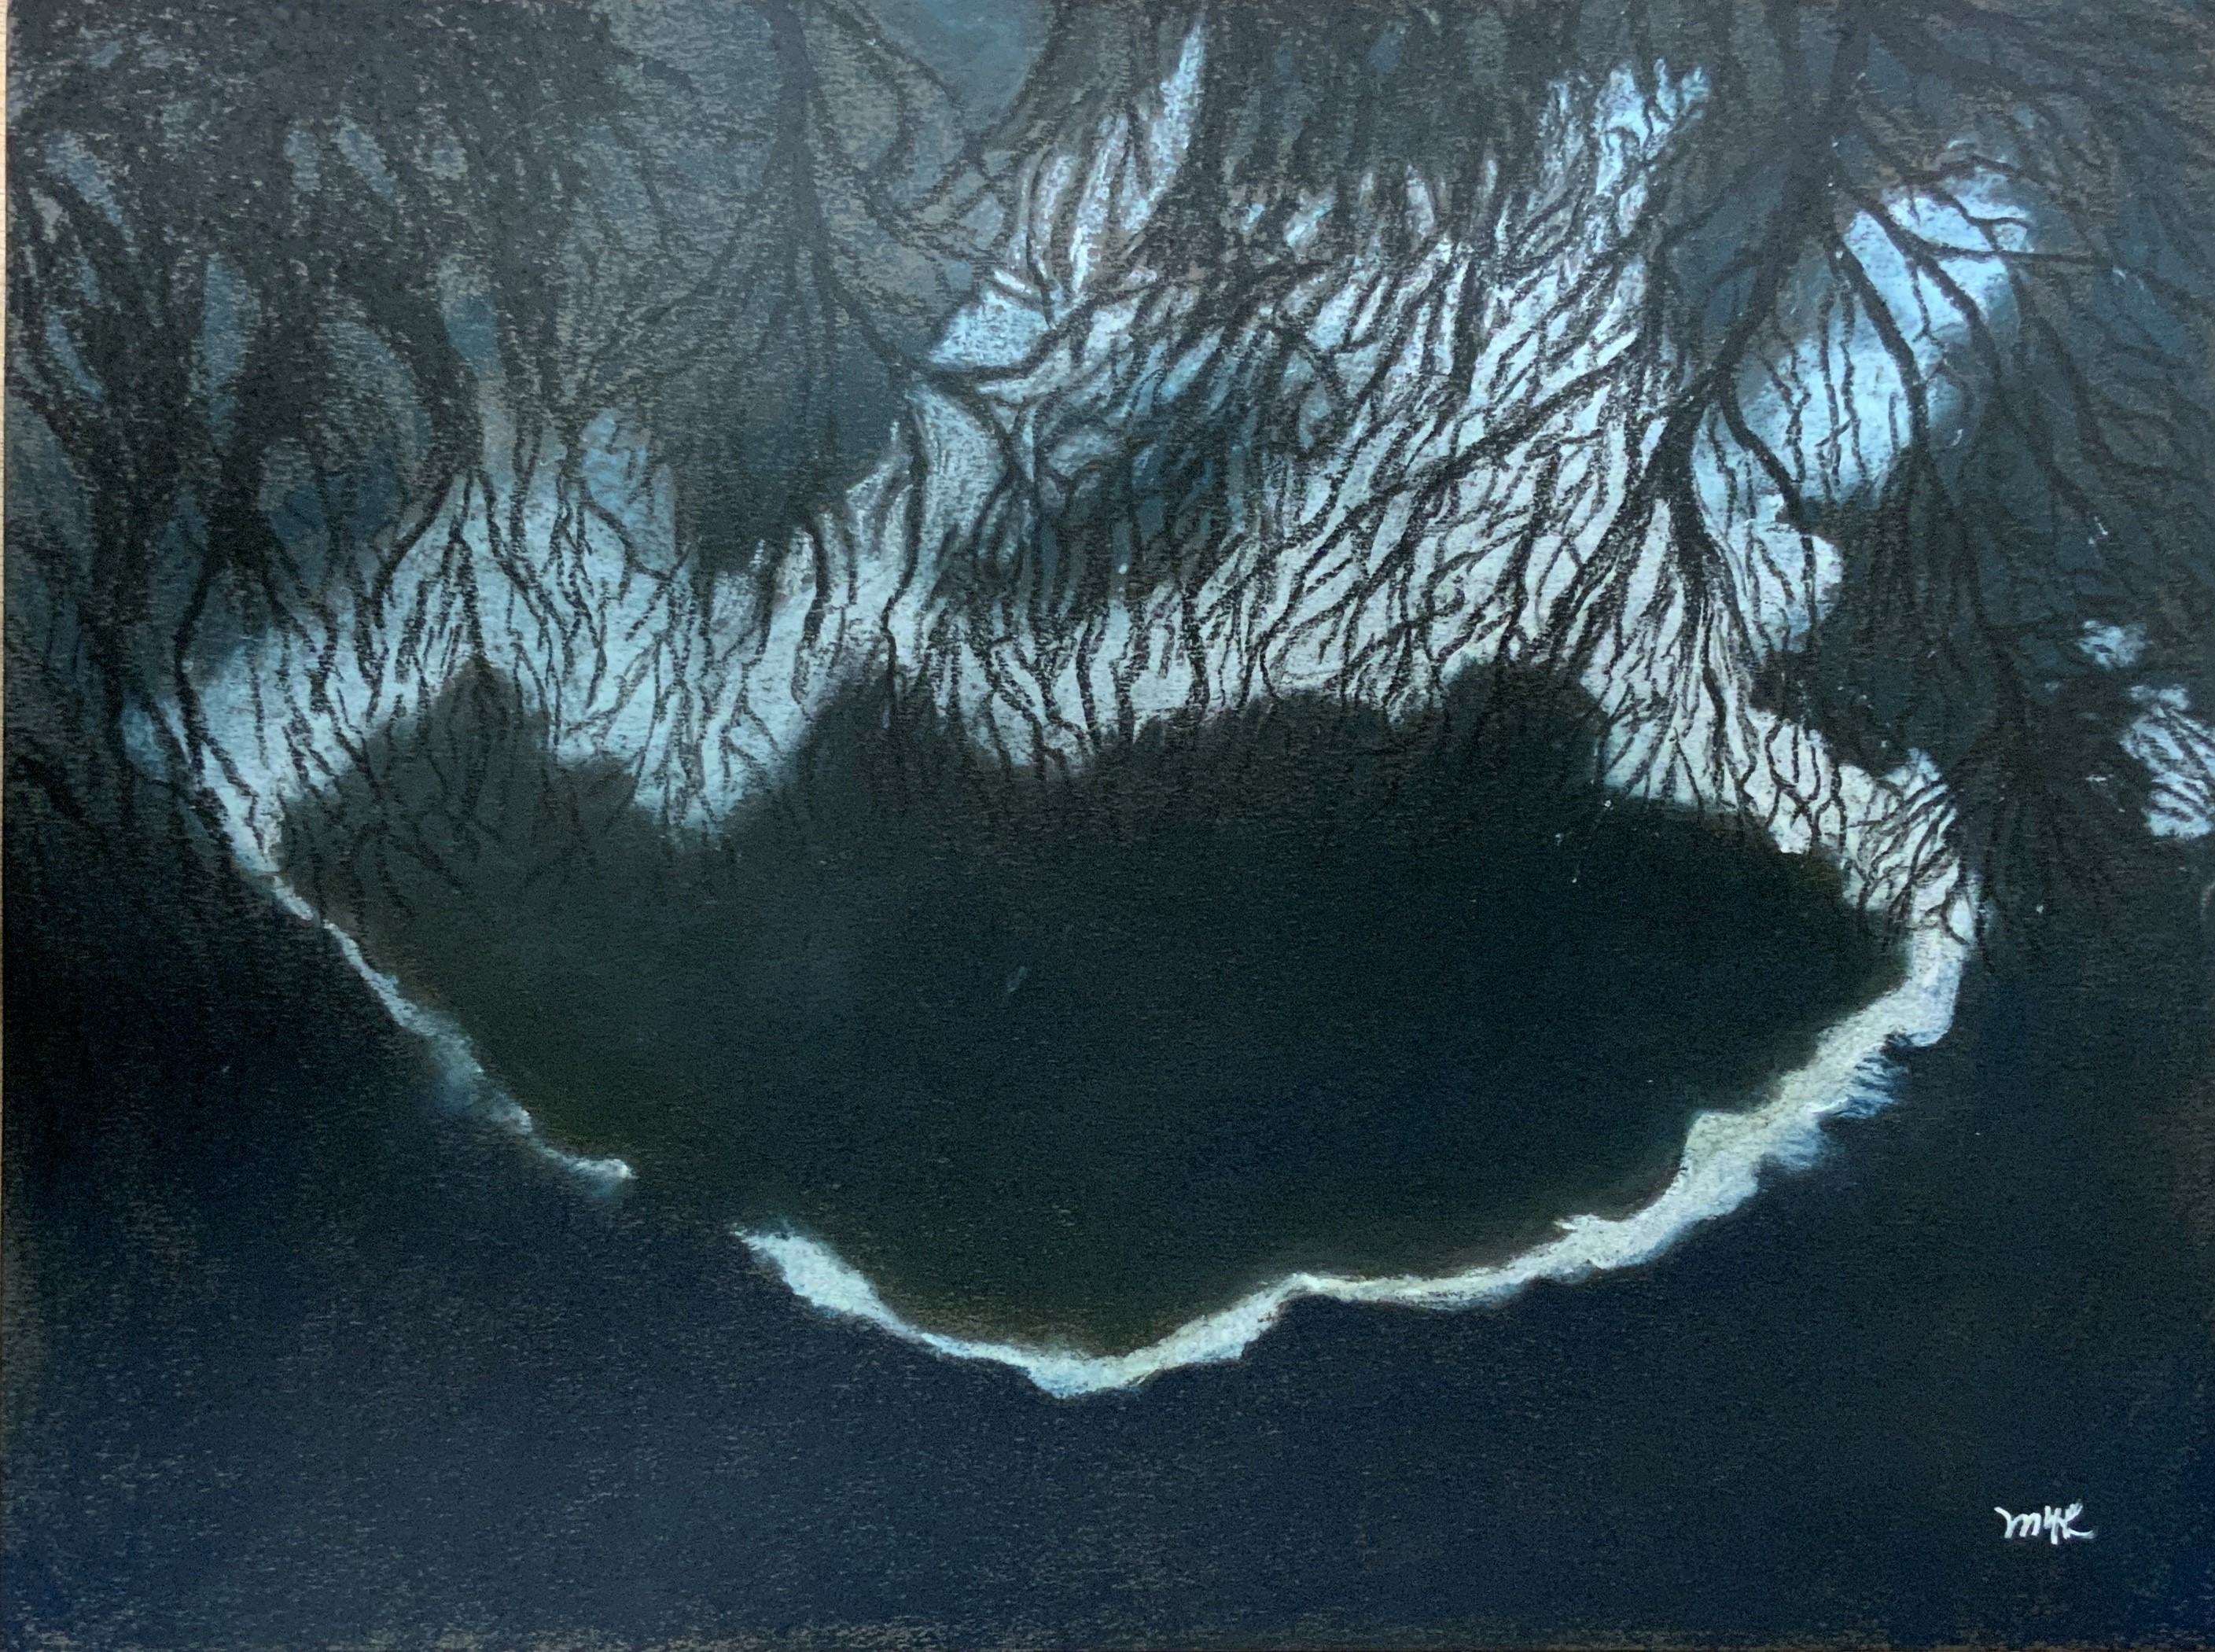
(1075, 1057)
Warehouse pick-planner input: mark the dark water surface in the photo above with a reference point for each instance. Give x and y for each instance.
(1078, 1058)
(295, 1357)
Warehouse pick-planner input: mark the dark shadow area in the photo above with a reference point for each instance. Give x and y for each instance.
(295, 1356)
(1080, 1056)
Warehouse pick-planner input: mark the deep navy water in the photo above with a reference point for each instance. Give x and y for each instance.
(297, 1354)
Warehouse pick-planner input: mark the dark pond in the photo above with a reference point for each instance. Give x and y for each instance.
(1075, 1055)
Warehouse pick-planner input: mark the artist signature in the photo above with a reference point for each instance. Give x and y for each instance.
(2056, 1525)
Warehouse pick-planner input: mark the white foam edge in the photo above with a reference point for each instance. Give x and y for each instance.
(451, 1049)
(1850, 1074)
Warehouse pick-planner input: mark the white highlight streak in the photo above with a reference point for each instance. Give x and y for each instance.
(450, 1046)
(1724, 1156)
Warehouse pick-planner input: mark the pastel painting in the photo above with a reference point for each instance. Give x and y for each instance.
(1124, 823)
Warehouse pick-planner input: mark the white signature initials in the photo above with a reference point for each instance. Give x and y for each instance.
(2056, 1525)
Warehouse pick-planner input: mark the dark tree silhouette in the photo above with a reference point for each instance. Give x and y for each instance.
(265, 256)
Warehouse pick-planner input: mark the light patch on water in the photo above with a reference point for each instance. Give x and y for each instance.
(1937, 265)
(2178, 750)
(2113, 647)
